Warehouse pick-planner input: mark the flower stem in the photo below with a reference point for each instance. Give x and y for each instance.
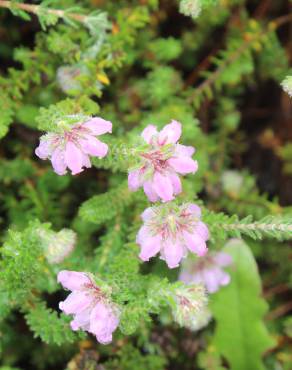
(36, 9)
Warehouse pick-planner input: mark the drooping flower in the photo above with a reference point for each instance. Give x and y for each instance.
(160, 163)
(72, 147)
(57, 246)
(207, 270)
(93, 311)
(287, 85)
(172, 230)
(191, 8)
(190, 301)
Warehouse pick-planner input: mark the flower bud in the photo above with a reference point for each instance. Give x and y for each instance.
(190, 301)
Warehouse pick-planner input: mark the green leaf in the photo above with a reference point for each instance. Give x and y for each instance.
(241, 335)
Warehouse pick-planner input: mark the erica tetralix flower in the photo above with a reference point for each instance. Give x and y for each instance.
(207, 270)
(173, 231)
(92, 309)
(72, 147)
(160, 163)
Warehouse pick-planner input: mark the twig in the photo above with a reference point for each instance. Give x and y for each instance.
(272, 26)
(278, 289)
(37, 9)
(279, 311)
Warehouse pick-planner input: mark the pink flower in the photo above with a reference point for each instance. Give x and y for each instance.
(92, 310)
(172, 230)
(208, 271)
(73, 146)
(161, 162)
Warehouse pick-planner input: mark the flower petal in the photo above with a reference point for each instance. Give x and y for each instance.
(150, 192)
(148, 133)
(223, 259)
(43, 150)
(58, 162)
(103, 322)
(210, 279)
(184, 151)
(149, 247)
(76, 302)
(173, 253)
(98, 126)
(81, 320)
(183, 165)
(94, 147)
(143, 234)
(195, 243)
(162, 186)
(176, 183)
(73, 280)
(194, 209)
(148, 214)
(202, 230)
(73, 158)
(134, 180)
(170, 133)
(85, 161)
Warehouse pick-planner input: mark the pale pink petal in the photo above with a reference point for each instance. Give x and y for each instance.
(94, 147)
(76, 302)
(195, 243)
(223, 259)
(143, 233)
(186, 277)
(73, 158)
(148, 214)
(163, 187)
(176, 183)
(194, 209)
(81, 320)
(103, 322)
(224, 278)
(58, 162)
(148, 133)
(149, 247)
(43, 150)
(210, 280)
(173, 253)
(170, 133)
(73, 280)
(134, 180)
(197, 278)
(184, 151)
(98, 126)
(150, 192)
(86, 161)
(183, 165)
(202, 230)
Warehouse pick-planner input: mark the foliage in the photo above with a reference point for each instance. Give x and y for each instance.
(216, 67)
(240, 334)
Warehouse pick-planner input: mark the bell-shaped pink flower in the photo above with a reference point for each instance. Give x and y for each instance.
(207, 270)
(161, 162)
(172, 231)
(73, 147)
(91, 308)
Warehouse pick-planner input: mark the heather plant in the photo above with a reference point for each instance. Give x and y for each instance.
(135, 230)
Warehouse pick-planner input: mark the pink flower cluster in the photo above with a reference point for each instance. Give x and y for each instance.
(161, 162)
(172, 231)
(92, 310)
(73, 146)
(208, 271)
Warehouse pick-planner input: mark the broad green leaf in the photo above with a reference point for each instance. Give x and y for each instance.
(241, 335)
